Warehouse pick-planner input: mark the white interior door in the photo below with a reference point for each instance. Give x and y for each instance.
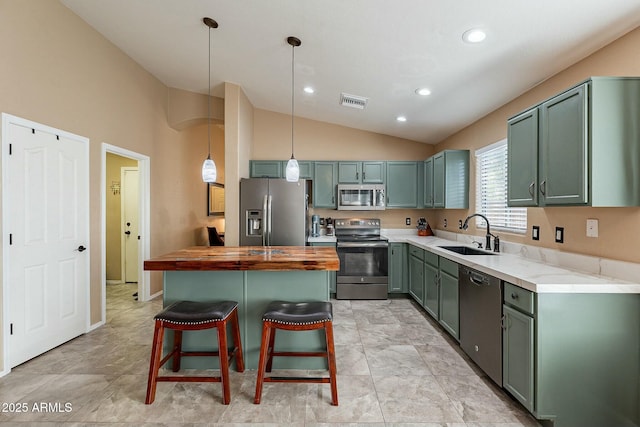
(47, 255)
(130, 221)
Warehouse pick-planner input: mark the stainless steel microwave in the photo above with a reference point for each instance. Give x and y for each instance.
(361, 197)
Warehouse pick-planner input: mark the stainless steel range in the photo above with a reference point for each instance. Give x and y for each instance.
(363, 259)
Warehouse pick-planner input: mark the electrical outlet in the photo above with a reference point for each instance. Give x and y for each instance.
(559, 234)
(592, 228)
(459, 224)
(535, 232)
(407, 221)
(445, 223)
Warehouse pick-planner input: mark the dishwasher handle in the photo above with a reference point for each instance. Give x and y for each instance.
(477, 278)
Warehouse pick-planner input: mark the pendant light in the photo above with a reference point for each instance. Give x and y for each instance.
(209, 171)
(293, 169)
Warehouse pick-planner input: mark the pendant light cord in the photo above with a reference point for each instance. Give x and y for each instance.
(209, 100)
(293, 56)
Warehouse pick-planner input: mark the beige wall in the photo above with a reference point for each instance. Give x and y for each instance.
(619, 228)
(113, 214)
(60, 72)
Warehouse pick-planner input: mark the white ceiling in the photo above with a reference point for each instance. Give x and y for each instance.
(380, 49)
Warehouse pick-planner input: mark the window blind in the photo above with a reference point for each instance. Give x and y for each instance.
(491, 190)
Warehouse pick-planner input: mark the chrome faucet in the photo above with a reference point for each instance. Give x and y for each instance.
(488, 236)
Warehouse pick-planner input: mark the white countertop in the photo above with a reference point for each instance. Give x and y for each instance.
(529, 274)
(322, 239)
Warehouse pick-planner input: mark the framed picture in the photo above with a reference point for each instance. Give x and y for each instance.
(215, 199)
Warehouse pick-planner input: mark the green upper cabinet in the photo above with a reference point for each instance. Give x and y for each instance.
(563, 148)
(324, 184)
(370, 172)
(402, 184)
(446, 180)
(277, 168)
(584, 145)
(522, 149)
(428, 183)
(265, 169)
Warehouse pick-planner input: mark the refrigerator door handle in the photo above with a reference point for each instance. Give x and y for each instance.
(264, 222)
(269, 220)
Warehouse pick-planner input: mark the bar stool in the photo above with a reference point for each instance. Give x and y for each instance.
(296, 316)
(195, 316)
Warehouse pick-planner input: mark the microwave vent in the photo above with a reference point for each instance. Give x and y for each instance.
(353, 101)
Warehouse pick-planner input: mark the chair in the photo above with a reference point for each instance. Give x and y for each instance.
(214, 238)
(296, 316)
(194, 316)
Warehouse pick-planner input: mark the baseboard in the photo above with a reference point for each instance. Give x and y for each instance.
(114, 282)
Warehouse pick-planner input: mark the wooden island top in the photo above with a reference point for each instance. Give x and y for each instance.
(262, 258)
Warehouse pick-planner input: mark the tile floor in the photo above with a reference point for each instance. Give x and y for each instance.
(395, 368)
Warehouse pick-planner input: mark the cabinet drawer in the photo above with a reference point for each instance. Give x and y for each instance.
(416, 252)
(519, 298)
(432, 259)
(449, 267)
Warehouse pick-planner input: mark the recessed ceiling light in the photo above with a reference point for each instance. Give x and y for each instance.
(401, 118)
(474, 35)
(423, 91)
(308, 89)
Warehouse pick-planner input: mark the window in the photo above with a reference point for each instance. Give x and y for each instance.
(491, 190)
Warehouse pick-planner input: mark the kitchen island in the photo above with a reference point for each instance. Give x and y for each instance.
(253, 276)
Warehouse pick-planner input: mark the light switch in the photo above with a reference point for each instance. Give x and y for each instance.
(592, 228)
(559, 234)
(535, 232)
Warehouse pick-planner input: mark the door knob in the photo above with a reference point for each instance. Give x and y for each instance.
(81, 248)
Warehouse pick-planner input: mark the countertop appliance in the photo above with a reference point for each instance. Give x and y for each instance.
(273, 212)
(481, 320)
(360, 197)
(363, 259)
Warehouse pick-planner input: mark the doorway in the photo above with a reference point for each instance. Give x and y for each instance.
(125, 199)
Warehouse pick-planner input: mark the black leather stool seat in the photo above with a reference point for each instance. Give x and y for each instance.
(191, 312)
(298, 313)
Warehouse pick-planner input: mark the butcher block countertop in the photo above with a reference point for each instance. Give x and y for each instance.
(264, 258)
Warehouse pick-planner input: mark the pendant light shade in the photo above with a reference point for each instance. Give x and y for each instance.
(293, 169)
(209, 170)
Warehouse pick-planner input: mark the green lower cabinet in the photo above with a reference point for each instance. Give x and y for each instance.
(449, 308)
(431, 289)
(398, 277)
(518, 355)
(416, 277)
(332, 274)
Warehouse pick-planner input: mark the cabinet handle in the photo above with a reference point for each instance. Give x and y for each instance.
(543, 187)
(502, 323)
(532, 187)
(357, 175)
(514, 296)
(363, 175)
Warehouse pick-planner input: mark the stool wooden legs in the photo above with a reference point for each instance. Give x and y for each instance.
(267, 352)
(176, 353)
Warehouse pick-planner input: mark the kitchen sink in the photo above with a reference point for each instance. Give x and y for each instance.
(466, 250)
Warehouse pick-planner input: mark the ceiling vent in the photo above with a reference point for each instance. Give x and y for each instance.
(353, 101)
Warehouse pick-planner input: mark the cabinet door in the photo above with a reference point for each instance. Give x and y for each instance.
(522, 159)
(438, 181)
(349, 172)
(564, 149)
(265, 169)
(431, 290)
(332, 274)
(324, 185)
(373, 172)
(416, 278)
(517, 356)
(428, 183)
(402, 184)
(397, 268)
(306, 169)
(449, 304)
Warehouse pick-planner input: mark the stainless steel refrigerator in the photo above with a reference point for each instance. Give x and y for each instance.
(273, 212)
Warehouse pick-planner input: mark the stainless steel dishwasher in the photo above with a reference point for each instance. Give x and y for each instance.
(480, 320)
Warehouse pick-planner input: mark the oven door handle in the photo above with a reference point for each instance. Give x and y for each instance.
(363, 244)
